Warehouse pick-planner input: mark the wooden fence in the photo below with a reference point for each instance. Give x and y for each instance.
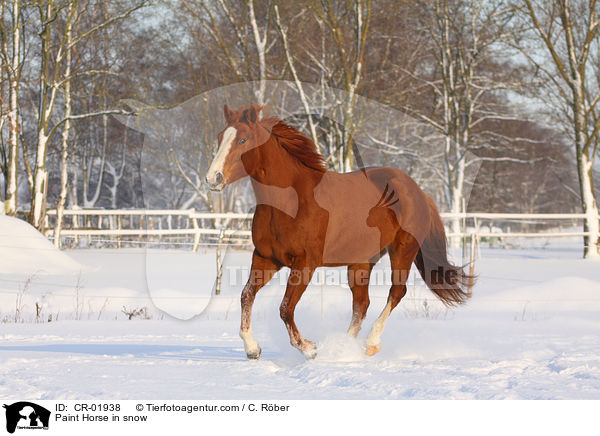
(193, 229)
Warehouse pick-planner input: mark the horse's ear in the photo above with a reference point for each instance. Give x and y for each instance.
(228, 114)
(252, 113)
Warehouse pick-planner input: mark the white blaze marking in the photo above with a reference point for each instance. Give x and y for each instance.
(219, 161)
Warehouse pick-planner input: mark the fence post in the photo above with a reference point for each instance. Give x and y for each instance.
(159, 228)
(472, 265)
(219, 263)
(464, 222)
(194, 221)
(141, 219)
(150, 228)
(119, 227)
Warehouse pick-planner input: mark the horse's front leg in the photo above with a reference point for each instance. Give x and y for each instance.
(358, 279)
(261, 272)
(299, 279)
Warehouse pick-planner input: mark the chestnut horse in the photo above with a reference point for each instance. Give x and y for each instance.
(307, 217)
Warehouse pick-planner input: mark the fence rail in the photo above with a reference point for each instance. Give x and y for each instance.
(205, 228)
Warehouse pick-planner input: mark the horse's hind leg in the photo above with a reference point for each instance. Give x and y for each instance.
(261, 272)
(403, 251)
(358, 279)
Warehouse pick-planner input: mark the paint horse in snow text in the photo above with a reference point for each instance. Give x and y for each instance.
(307, 217)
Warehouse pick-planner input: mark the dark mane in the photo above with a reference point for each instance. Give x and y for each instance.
(296, 144)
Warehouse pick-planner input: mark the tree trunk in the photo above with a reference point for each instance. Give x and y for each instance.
(457, 203)
(13, 114)
(591, 224)
(40, 176)
(290, 62)
(64, 158)
(261, 43)
(584, 170)
(571, 62)
(40, 181)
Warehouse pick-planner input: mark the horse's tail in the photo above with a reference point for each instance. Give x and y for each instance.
(444, 279)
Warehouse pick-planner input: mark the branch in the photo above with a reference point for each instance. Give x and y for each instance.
(504, 159)
(108, 22)
(290, 62)
(189, 181)
(591, 33)
(567, 187)
(89, 115)
(544, 70)
(546, 38)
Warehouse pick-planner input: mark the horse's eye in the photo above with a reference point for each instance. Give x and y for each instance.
(242, 140)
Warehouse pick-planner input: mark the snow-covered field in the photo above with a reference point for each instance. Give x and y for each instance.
(531, 330)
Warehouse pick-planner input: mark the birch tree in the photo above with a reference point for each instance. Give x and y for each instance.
(3, 116)
(292, 67)
(465, 35)
(237, 36)
(72, 13)
(260, 43)
(116, 174)
(569, 33)
(51, 80)
(350, 56)
(12, 63)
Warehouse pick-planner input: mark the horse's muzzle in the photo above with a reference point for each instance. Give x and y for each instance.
(215, 182)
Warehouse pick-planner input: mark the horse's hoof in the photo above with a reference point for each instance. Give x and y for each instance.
(373, 349)
(254, 355)
(310, 351)
(310, 354)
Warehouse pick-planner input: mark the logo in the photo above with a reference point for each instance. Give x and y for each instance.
(26, 415)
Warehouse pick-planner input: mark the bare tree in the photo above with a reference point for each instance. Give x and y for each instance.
(64, 157)
(3, 117)
(569, 31)
(463, 86)
(51, 80)
(260, 42)
(235, 34)
(12, 63)
(301, 92)
(350, 49)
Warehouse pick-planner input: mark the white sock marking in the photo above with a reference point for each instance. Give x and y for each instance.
(250, 344)
(374, 337)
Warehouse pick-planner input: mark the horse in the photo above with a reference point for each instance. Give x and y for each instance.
(308, 217)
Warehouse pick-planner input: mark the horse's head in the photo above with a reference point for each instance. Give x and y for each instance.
(243, 132)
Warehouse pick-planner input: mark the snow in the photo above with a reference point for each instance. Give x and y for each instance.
(531, 330)
(24, 250)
